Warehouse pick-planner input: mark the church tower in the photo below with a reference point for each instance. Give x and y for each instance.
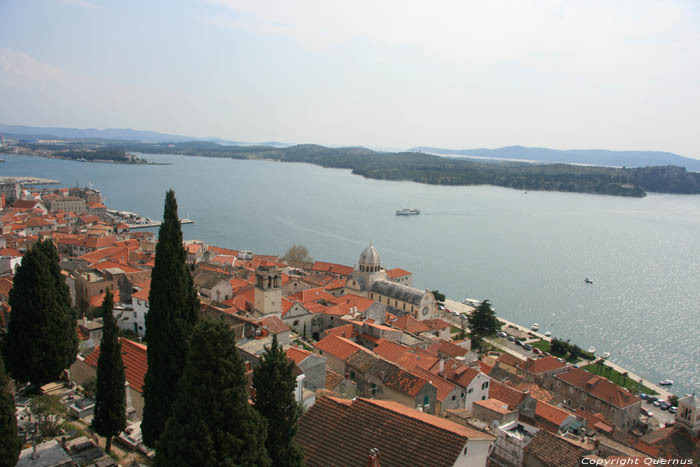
(268, 291)
(688, 414)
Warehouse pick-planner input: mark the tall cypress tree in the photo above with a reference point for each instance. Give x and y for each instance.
(110, 401)
(41, 338)
(9, 442)
(174, 308)
(212, 422)
(274, 399)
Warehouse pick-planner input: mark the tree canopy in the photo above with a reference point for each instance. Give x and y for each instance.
(212, 421)
(297, 255)
(42, 338)
(483, 322)
(275, 384)
(110, 401)
(173, 312)
(9, 442)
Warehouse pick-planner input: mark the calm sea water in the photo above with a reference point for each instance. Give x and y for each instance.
(527, 253)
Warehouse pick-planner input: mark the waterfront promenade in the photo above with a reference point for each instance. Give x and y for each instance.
(524, 331)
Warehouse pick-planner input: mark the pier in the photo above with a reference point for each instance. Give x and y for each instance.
(29, 180)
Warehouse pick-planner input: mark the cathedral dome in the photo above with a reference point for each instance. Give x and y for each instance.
(369, 259)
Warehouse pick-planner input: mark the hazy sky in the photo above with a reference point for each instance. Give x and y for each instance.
(392, 74)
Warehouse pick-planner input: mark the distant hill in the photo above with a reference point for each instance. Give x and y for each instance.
(115, 134)
(574, 156)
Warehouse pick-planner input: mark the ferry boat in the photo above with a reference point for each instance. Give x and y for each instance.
(407, 212)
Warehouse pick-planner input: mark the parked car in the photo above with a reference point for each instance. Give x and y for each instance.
(501, 334)
(673, 409)
(646, 412)
(511, 338)
(664, 406)
(537, 351)
(657, 403)
(652, 399)
(527, 347)
(644, 396)
(518, 342)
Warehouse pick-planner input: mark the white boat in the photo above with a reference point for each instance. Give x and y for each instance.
(591, 349)
(605, 355)
(548, 333)
(535, 327)
(407, 212)
(666, 382)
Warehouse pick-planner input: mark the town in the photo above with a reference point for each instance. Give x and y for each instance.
(385, 373)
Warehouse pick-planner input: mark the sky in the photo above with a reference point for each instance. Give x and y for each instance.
(383, 74)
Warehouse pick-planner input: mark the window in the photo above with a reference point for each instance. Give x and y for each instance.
(454, 396)
(465, 450)
(352, 375)
(470, 390)
(485, 385)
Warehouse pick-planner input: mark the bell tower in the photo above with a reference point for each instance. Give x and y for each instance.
(268, 291)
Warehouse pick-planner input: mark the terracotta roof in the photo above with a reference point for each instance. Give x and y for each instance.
(5, 286)
(510, 360)
(389, 373)
(406, 357)
(335, 284)
(113, 265)
(436, 324)
(598, 387)
(535, 390)
(550, 413)
(494, 405)
(96, 300)
(273, 324)
(297, 355)
(339, 347)
(552, 450)
(312, 295)
(346, 330)
(144, 292)
(332, 268)
(410, 324)
(362, 303)
(444, 387)
(335, 432)
(396, 273)
(447, 348)
(485, 369)
(135, 361)
(537, 366)
(505, 393)
(333, 379)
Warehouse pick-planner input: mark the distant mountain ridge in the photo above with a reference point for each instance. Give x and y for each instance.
(126, 134)
(574, 156)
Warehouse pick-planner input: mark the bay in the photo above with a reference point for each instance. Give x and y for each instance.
(527, 253)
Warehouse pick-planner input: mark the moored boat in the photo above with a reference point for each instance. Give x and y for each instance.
(407, 212)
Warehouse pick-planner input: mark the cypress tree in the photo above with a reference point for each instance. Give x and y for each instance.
(42, 338)
(275, 384)
(483, 323)
(212, 422)
(110, 400)
(9, 442)
(174, 308)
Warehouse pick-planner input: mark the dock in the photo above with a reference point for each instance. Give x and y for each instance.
(29, 180)
(156, 224)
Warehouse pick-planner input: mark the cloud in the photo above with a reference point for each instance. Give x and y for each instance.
(17, 65)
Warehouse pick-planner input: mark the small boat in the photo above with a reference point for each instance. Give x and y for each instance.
(535, 327)
(587, 281)
(407, 212)
(666, 382)
(605, 355)
(591, 349)
(548, 333)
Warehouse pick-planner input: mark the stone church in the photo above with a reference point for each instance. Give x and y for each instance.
(369, 279)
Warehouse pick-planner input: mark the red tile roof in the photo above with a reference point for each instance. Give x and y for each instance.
(550, 413)
(346, 330)
(335, 432)
(505, 393)
(297, 355)
(444, 387)
(436, 324)
(494, 405)
(339, 347)
(312, 295)
(410, 324)
(362, 303)
(538, 366)
(135, 360)
(406, 357)
(144, 292)
(552, 450)
(96, 300)
(599, 387)
(273, 324)
(332, 268)
(396, 273)
(447, 348)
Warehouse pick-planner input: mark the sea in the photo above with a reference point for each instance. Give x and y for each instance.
(527, 252)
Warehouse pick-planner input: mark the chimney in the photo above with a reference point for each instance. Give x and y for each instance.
(373, 459)
(442, 366)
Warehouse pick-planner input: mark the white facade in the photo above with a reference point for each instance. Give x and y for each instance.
(133, 318)
(478, 390)
(474, 453)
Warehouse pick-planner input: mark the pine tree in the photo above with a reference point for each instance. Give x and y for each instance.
(110, 401)
(212, 422)
(275, 384)
(9, 442)
(482, 323)
(42, 338)
(173, 312)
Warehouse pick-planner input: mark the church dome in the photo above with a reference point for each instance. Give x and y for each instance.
(369, 259)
